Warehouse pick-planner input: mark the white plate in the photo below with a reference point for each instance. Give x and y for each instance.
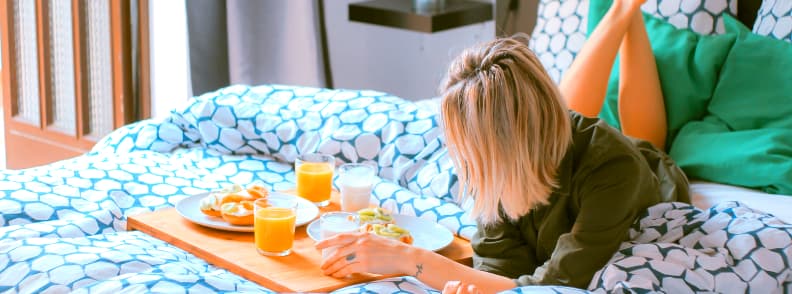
(189, 208)
(426, 234)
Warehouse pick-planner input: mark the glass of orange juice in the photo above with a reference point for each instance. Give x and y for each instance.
(273, 225)
(314, 174)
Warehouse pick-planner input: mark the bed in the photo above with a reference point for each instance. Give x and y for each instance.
(63, 225)
(708, 194)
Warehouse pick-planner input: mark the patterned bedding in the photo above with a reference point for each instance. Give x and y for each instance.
(62, 226)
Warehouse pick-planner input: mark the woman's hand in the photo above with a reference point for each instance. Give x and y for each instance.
(458, 287)
(363, 253)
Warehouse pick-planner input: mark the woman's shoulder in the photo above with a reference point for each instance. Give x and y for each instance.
(599, 148)
(593, 137)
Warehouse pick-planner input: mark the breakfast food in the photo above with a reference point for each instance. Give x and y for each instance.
(238, 213)
(380, 222)
(391, 231)
(210, 205)
(374, 215)
(233, 204)
(257, 191)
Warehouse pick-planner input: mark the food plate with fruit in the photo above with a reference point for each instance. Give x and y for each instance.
(197, 209)
(419, 232)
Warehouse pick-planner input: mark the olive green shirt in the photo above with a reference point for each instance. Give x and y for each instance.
(605, 181)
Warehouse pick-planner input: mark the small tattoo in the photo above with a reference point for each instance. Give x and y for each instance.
(419, 270)
(350, 257)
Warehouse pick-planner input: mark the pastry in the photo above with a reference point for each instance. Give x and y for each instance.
(210, 205)
(234, 204)
(257, 191)
(375, 215)
(238, 213)
(391, 231)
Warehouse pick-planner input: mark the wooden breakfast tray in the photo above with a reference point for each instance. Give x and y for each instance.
(297, 272)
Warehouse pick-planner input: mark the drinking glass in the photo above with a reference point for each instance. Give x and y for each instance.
(355, 181)
(273, 226)
(314, 174)
(334, 223)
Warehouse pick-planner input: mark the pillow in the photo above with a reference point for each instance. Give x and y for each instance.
(746, 139)
(561, 26)
(703, 17)
(774, 20)
(559, 34)
(688, 66)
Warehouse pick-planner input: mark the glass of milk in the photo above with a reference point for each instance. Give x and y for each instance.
(355, 181)
(334, 223)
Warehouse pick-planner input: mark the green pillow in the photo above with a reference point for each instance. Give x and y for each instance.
(746, 139)
(687, 63)
(757, 76)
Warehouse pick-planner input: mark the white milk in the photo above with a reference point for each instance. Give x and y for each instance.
(332, 224)
(355, 182)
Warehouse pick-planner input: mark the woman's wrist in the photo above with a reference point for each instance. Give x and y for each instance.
(415, 258)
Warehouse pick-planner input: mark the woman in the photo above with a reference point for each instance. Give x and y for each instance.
(555, 191)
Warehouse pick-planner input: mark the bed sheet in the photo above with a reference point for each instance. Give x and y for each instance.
(62, 226)
(708, 194)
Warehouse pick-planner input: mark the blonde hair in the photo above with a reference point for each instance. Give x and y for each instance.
(506, 126)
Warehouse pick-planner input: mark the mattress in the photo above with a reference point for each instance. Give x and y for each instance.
(707, 194)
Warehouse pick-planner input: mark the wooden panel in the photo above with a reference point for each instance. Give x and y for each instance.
(235, 252)
(122, 63)
(37, 140)
(47, 136)
(8, 80)
(45, 97)
(61, 80)
(144, 58)
(99, 68)
(28, 150)
(23, 53)
(80, 83)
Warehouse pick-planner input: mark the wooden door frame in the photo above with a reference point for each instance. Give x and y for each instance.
(125, 108)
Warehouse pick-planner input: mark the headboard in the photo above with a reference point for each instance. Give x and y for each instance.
(746, 11)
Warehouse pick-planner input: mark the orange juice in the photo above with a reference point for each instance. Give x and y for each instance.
(314, 180)
(274, 230)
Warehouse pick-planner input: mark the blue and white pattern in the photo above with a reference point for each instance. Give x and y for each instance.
(239, 135)
(63, 226)
(676, 248)
(254, 134)
(561, 26)
(106, 263)
(774, 20)
(559, 34)
(704, 17)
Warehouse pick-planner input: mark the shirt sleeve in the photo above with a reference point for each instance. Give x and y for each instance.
(500, 249)
(610, 196)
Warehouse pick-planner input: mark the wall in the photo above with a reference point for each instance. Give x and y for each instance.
(170, 80)
(363, 56)
(405, 63)
(521, 20)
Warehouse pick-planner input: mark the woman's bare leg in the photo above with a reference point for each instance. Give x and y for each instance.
(641, 107)
(585, 83)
